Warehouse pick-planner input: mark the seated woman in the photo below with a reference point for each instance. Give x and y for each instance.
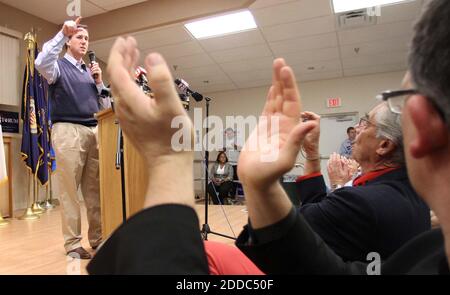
(221, 179)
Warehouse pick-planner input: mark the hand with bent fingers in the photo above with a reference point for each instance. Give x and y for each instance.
(146, 122)
(311, 142)
(338, 170)
(96, 70)
(70, 27)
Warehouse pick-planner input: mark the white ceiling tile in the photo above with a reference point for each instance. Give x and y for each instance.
(251, 76)
(308, 56)
(220, 78)
(376, 32)
(371, 48)
(190, 61)
(297, 44)
(178, 50)
(232, 41)
(87, 9)
(115, 4)
(291, 12)
(399, 12)
(257, 64)
(254, 83)
(199, 72)
(241, 53)
(265, 3)
(51, 10)
(372, 60)
(316, 26)
(319, 76)
(216, 88)
(161, 37)
(374, 69)
(310, 68)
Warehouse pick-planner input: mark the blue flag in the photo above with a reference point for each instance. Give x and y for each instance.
(36, 143)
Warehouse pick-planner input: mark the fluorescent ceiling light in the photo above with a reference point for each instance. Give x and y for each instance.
(347, 5)
(221, 25)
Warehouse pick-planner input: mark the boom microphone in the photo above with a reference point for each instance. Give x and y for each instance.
(92, 59)
(141, 74)
(184, 86)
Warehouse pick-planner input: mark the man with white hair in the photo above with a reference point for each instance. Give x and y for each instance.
(380, 211)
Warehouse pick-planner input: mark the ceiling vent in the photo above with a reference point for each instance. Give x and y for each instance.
(356, 18)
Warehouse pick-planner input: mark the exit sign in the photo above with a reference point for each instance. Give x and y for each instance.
(334, 102)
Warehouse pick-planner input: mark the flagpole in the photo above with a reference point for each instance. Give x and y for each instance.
(29, 214)
(36, 207)
(47, 204)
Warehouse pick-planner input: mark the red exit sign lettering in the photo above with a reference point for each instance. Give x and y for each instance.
(334, 102)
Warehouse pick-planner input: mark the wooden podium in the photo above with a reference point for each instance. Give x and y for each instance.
(110, 178)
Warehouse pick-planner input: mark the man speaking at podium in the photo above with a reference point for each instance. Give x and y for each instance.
(74, 99)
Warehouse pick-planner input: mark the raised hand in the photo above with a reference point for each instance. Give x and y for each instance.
(70, 27)
(338, 170)
(311, 142)
(272, 148)
(147, 123)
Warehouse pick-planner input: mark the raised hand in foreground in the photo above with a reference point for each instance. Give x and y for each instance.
(146, 122)
(271, 149)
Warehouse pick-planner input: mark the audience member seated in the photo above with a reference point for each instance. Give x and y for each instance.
(381, 211)
(221, 186)
(341, 171)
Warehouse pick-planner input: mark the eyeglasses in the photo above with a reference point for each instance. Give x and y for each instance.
(396, 99)
(364, 122)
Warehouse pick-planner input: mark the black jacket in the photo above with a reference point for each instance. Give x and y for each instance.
(166, 240)
(379, 216)
(292, 247)
(160, 240)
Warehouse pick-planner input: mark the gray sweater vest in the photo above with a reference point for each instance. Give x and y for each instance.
(74, 96)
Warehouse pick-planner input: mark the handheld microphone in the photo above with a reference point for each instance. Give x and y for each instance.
(92, 59)
(184, 86)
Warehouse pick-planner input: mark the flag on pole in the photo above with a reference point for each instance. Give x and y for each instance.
(36, 144)
(3, 175)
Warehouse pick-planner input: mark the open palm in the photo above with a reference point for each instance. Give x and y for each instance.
(146, 121)
(272, 148)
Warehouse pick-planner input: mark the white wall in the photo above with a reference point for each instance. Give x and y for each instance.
(357, 94)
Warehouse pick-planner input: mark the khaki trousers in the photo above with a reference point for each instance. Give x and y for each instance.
(76, 153)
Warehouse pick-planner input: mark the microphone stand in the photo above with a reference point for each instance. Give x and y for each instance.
(205, 227)
(120, 165)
